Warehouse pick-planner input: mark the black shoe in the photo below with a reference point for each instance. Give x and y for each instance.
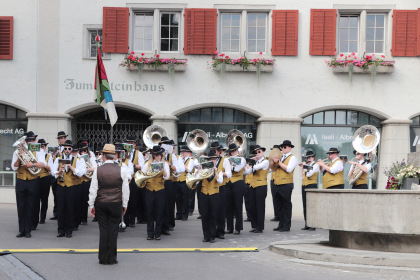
(33, 228)
(19, 235)
(69, 235)
(276, 229)
(28, 235)
(157, 237)
(229, 232)
(199, 217)
(76, 229)
(178, 218)
(42, 222)
(114, 262)
(247, 220)
(220, 236)
(237, 232)
(101, 262)
(206, 240)
(312, 229)
(284, 229)
(253, 230)
(94, 219)
(143, 222)
(305, 228)
(60, 235)
(166, 232)
(53, 218)
(212, 240)
(184, 219)
(171, 229)
(258, 231)
(83, 223)
(275, 219)
(150, 238)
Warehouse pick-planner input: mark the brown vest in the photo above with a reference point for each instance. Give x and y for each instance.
(109, 183)
(280, 176)
(330, 180)
(44, 171)
(310, 180)
(24, 174)
(69, 178)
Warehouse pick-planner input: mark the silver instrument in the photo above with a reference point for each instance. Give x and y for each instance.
(237, 137)
(365, 140)
(203, 174)
(140, 178)
(25, 156)
(152, 135)
(197, 142)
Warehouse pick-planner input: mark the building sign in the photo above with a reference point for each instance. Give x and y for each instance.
(10, 131)
(414, 138)
(74, 84)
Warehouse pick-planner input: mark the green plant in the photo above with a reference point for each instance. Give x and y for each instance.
(398, 172)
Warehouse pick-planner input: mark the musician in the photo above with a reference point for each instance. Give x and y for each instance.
(155, 194)
(282, 178)
(26, 185)
(248, 181)
(141, 203)
(61, 139)
(365, 167)
(186, 165)
(310, 179)
(273, 197)
(108, 198)
(332, 171)
(209, 198)
(227, 174)
(234, 191)
(86, 181)
(45, 179)
(68, 179)
(258, 190)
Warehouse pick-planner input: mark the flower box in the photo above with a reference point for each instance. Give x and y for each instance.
(358, 70)
(240, 68)
(161, 68)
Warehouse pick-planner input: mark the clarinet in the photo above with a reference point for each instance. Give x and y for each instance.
(62, 174)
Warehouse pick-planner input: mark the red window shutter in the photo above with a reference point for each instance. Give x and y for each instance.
(6, 37)
(285, 32)
(323, 31)
(404, 33)
(200, 31)
(115, 30)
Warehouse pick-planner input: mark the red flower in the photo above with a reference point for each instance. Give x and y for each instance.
(227, 56)
(157, 56)
(142, 54)
(260, 52)
(222, 55)
(341, 54)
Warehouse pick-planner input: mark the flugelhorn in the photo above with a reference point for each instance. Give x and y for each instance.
(203, 174)
(25, 156)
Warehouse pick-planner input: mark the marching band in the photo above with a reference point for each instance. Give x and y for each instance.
(163, 183)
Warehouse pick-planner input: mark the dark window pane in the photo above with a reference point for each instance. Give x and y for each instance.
(228, 115)
(206, 115)
(183, 117)
(329, 117)
(340, 117)
(249, 118)
(21, 114)
(351, 117)
(174, 45)
(174, 32)
(319, 118)
(164, 19)
(164, 32)
(217, 114)
(239, 116)
(11, 112)
(415, 121)
(363, 118)
(164, 45)
(195, 116)
(2, 111)
(308, 120)
(375, 121)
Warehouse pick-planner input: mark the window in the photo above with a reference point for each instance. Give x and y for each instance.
(234, 37)
(6, 38)
(162, 38)
(362, 33)
(90, 47)
(415, 134)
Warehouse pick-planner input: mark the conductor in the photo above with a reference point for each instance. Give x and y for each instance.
(108, 198)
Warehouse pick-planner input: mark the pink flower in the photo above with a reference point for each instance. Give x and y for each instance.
(352, 53)
(335, 53)
(227, 56)
(383, 56)
(216, 52)
(222, 55)
(132, 52)
(260, 53)
(341, 55)
(142, 54)
(157, 56)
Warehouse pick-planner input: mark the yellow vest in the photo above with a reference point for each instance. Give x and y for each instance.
(280, 176)
(237, 176)
(24, 174)
(248, 178)
(362, 179)
(212, 187)
(44, 172)
(259, 178)
(310, 180)
(156, 183)
(330, 180)
(69, 178)
(183, 175)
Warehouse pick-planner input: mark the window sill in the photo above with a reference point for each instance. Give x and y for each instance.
(161, 68)
(239, 68)
(357, 70)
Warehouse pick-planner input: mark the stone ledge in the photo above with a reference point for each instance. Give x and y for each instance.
(357, 70)
(42, 115)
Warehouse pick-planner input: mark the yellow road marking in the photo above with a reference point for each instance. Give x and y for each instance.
(133, 250)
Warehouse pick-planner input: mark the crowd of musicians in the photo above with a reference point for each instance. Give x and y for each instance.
(80, 182)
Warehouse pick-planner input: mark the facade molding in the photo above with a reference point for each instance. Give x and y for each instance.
(14, 105)
(367, 110)
(92, 105)
(212, 105)
(279, 120)
(42, 115)
(397, 122)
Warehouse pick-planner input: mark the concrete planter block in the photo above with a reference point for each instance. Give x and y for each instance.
(408, 182)
(162, 68)
(239, 68)
(357, 70)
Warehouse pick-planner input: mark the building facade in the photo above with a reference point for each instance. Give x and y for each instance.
(48, 79)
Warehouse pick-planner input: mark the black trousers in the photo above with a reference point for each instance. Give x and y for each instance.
(131, 213)
(246, 200)
(192, 201)
(208, 206)
(141, 205)
(84, 205)
(336, 187)
(54, 191)
(275, 203)
(304, 188)
(234, 193)
(283, 195)
(182, 200)
(257, 198)
(360, 187)
(109, 216)
(44, 193)
(25, 193)
(155, 202)
(169, 208)
(77, 196)
(36, 204)
(65, 209)
(221, 214)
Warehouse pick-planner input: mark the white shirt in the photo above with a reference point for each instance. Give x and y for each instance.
(228, 169)
(315, 169)
(368, 166)
(93, 190)
(219, 177)
(262, 163)
(338, 167)
(178, 163)
(140, 158)
(79, 171)
(239, 167)
(292, 162)
(40, 157)
(165, 167)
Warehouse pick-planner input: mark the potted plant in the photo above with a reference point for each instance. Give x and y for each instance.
(141, 63)
(401, 175)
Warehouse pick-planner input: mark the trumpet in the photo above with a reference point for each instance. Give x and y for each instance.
(306, 167)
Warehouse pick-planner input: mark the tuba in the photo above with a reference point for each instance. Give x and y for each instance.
(237, 137)
(152, 135)
(197, 142)
(365, 140)
(25, 156)
(191, 180)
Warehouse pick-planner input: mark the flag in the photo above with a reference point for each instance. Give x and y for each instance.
(103, 93)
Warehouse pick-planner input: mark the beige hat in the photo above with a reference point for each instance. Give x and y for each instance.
(108, 149)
